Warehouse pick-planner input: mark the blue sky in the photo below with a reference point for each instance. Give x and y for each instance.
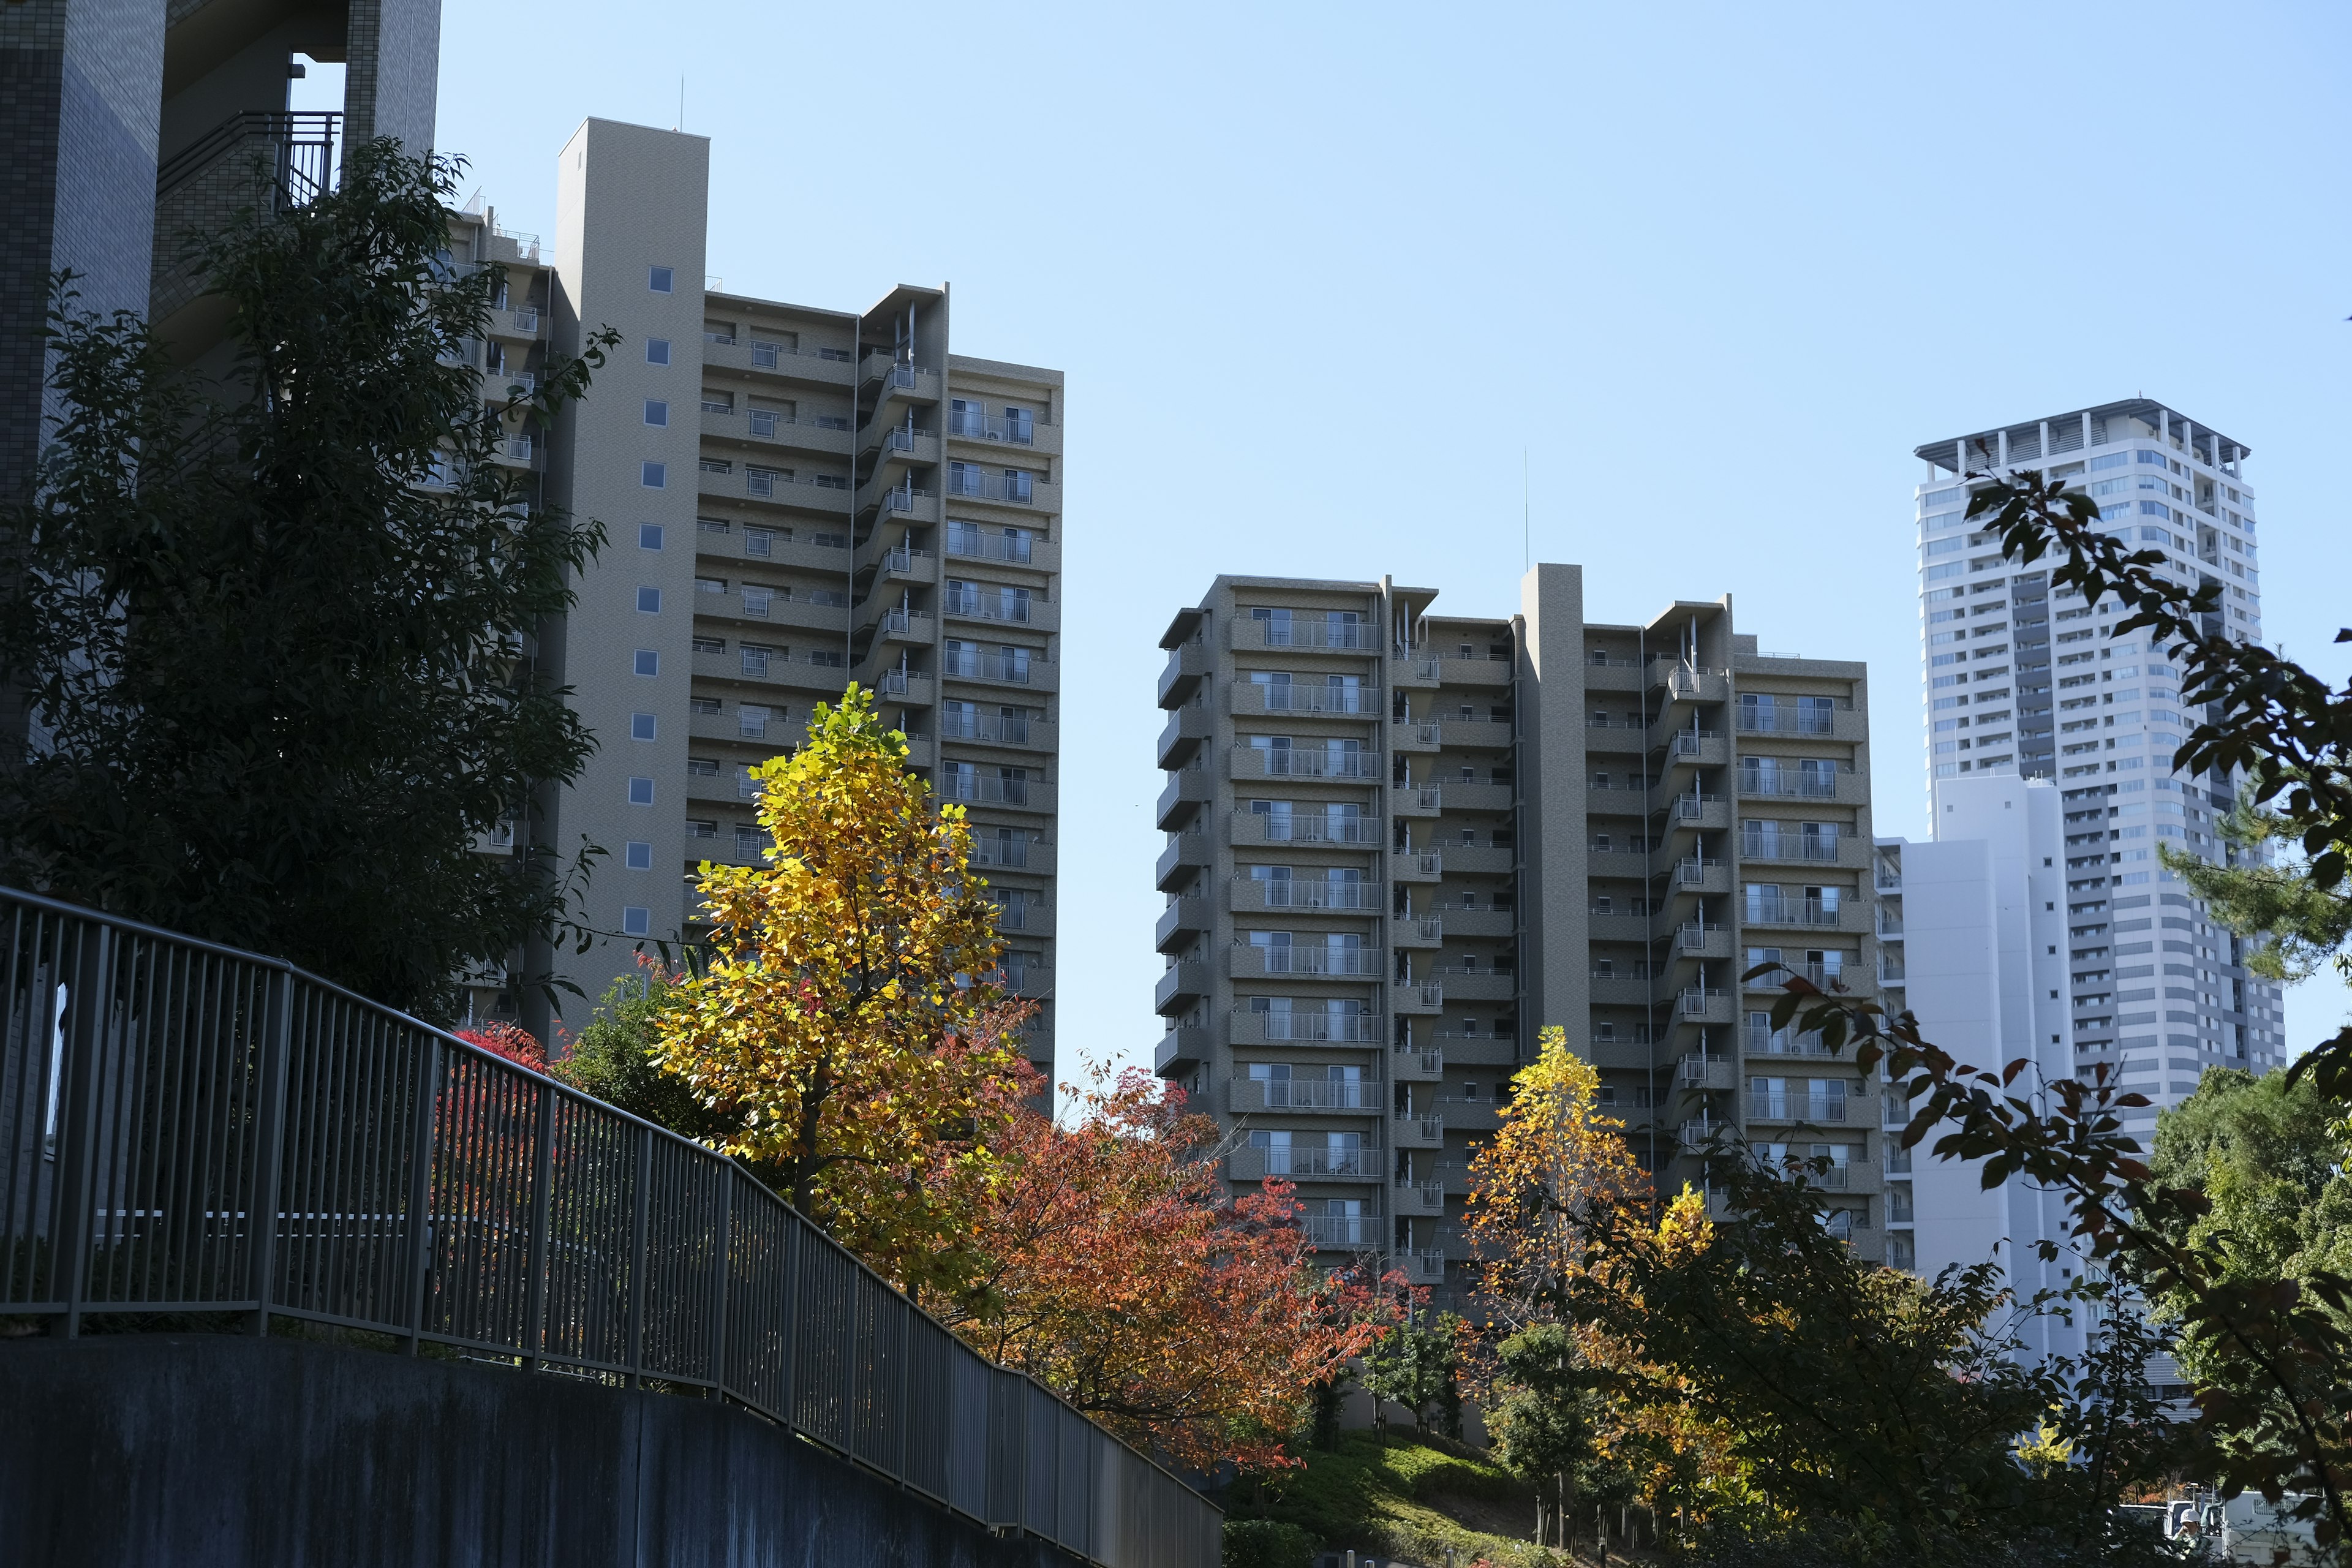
(1319, 275)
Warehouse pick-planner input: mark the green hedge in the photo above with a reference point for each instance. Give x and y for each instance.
(1264, 1544)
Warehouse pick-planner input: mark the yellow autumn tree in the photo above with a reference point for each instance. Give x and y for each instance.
(848, 1028)
(1556, 1162)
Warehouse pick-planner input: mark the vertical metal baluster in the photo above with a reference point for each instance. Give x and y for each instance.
(791, 1413)
(86, 1013)
(420, 1189)
(638, 1281)
(719, 1278)
(277, 1047)
(535, 1256)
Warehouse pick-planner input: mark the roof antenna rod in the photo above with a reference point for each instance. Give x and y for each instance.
(681, 102)
(1526, 549)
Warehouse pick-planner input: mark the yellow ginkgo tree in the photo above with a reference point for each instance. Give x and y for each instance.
(849, 1026)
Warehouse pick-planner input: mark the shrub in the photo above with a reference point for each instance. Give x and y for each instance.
(1264, 1544)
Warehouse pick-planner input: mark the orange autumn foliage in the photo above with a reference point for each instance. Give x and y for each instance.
(1123, 1276)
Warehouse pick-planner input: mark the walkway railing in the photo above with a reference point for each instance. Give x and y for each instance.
(188, 1129)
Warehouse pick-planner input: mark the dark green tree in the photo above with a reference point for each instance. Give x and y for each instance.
(1545, 1419)
(612, 1058)
(1413, 1365)
(270, 625)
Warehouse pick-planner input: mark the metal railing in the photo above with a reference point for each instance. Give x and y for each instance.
(188, 1127)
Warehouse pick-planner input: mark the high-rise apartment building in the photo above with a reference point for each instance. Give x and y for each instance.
(131, 124)
(795, 499)
(1401, 843)
(2021, 679)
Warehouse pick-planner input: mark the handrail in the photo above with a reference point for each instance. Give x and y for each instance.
(160, 1095)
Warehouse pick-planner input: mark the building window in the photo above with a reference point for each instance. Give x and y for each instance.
(700, 828)
(656, 350)
(657, 412)
(641, 792)
(755, 659)
(648, 662)
(641, 726)
(637, 855)
(756, 601)
(658, 279)
(649, 536)
(655, 475)
(636, 920)
(649, 601)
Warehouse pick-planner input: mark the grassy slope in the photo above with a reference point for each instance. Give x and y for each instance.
(1416, 1497)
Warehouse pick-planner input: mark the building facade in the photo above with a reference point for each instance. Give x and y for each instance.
(1400, 844)
(2022, 680)
(794, 498)
(129, 124)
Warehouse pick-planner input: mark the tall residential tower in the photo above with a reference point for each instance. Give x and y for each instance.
(2024, 680)
(1401, 843)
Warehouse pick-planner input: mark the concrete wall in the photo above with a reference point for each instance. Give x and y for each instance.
(205, 1450)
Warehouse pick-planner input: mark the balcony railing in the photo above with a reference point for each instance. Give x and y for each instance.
(1821, 1108)
(1302, 632)
(1311, 696)
(1788, 846)
(958, 785)
(1305, 762)
(1318, 1025)
(1691, 807)
(1282, 1160)
(1330, 1231)
(1004, 730)
(993, 544)
(988, 850)
(1308, 893)
(1020, 489)
(1303, 960)
(1002, 605)
(1792, 912)
(1784, 784)
(1778, 720)
(1306, 827)
(969, 664)
(1316, 1094)
(975, 426)
(1781, 1043)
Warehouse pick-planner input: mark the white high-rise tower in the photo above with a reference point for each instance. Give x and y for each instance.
(2022, 680)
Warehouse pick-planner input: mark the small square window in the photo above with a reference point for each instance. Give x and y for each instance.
(636, 920)
(656, 411)
(649, 601)
(655, 475)
(649, 536)
(648, 662)
(660, 278)
(641, 792)
(637, 855)
(641, 727)
(656, 350)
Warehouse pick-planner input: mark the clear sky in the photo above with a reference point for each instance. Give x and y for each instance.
(1320, 275)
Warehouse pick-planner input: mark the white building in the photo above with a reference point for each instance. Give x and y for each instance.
(2022, 682)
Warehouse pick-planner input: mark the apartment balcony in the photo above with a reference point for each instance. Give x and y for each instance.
(1015, 546)
(1306, 1163)
(1695, 1135)
(813, 492)
(1700, 874)
(913, 685)
(759, 428)
(901, 564)
(899, 378)
(1426, 1130)
(1416, 670)
(1181, 675)
(527, 324)
(1695, 940)
(1474, 734)
(1615, 990)
(499, 841)
(1311, 1022)
(1769, 1042)
(1302, 961)
(1009, 606)
(899, 500)
(1416, 800)
(1417, 1198)
(1486, 673)
(1345, 1233)
(1843, 723)
(1181, 1049)
(1187, 856)
(1481, 921)
(1691, 684)
(1020, 731)
(1422, 1268)
(1484, 983)
(1416, 931)
(827, 367)
(1821, 975)
(1416, 998)
(809, 548)
(1800, 914)
(1180, 986)
(1471, 1112)
(519, 452)
(1251, 895)
(1603, 926)
(1611, 733)
(1819, 1109)
(1465, 796)
(1842, 788)
(1252, 828)
(1180, 924)
(1412, 736)
(1846, 850)
(1021, 433)
(1416, 866)
(1703, 813)
(1416, 1066)
(1713, 1075)
(1026, 667)
(1186, 793)
(1025, 491)
(1307, 697)
(1186, 730)
(1701, 749)
(1307, 631)
(1695, 1004)
(919, 449)
(1305, 762)
(1615, 675)
(1249, 1096)
(1481, 859)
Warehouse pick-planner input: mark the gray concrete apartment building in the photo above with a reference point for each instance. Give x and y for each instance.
(794, 498)
(128, 123)
(1401, 843)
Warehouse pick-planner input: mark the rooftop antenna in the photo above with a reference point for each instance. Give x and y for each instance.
(1526, 535)
(681, 102)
